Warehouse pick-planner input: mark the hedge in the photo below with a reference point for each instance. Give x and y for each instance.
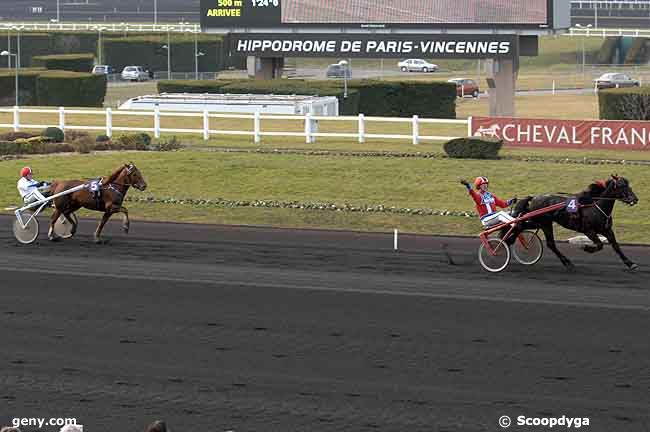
(406, 98)
(473, 148)
(41, 44)
(61, 88)
(66, 62)
(377, 98)
(26, 87)
(53, 88)
(624, 104)
(148, 52)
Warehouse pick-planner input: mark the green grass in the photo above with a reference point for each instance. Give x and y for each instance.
(414, 183)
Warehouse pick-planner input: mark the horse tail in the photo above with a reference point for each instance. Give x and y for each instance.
(522, 206)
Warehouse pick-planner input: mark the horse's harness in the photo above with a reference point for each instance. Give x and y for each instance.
(114, 186)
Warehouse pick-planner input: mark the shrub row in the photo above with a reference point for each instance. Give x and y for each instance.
(214, 47)
(148, 51)
(66, 62)
(624, 104)
(473, 148)
(53, 88)
(370, 97)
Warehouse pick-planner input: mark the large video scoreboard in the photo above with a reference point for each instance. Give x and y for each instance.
(377, 14)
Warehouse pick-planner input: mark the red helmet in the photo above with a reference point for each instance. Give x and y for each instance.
(25, 172)
(480, 181)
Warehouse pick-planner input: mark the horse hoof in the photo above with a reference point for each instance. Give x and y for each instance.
(125, 229)
(633, 267)
(54, 239)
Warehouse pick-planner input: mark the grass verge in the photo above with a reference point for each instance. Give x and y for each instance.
(407, 183)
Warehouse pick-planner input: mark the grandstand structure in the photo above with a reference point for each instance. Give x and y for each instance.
(110, 11)
(626, 14)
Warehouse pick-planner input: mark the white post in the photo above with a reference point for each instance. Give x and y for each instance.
(62, 118)
(206, 125)
(462, 90)
(395, 240)
(362, 129)
(257, 125)
(416, 130)
(156, 122)
(16, 118)
(553, 87)
(469, 126)
(308, 128)
(109, 122)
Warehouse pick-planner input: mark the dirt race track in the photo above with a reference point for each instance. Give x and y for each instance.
(224, 328)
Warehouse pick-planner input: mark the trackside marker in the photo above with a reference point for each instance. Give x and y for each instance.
(395, 241)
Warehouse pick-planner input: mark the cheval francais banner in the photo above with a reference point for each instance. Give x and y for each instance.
(581, 134)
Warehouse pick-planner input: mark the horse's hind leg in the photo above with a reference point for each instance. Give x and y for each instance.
(100, 227)
(611, 238)
(70, 220)
(550, 242)
(55, 216)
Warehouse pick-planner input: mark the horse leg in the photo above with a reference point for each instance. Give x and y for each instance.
(100, 227)
(126, 223)
(55, 216)
(71, 221)
(598, 244)
(550, 243)
(611, 238)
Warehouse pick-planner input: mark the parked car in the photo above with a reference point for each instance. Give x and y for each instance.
(465, 87)
(614, 80)
(417, 65)
(339, 70)
(103, 70)
(135, 73)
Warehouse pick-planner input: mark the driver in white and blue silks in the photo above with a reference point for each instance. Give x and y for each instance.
(31, 190)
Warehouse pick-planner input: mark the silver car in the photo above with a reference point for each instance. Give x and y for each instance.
(135, 73)
(417, 65)
(614, 80)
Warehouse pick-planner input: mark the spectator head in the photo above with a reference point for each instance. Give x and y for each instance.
(72, 428)
(157, 426)
(9, 429)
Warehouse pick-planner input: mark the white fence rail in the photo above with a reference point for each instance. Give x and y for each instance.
(310, 133)
(106, 27)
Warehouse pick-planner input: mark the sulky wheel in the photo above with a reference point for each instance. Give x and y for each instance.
(28, 234)
(495, 257)
(528, 248)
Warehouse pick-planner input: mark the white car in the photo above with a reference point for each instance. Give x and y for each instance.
(134, 73)
(416, 65)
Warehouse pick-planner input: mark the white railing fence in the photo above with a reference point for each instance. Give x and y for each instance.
(310, 133)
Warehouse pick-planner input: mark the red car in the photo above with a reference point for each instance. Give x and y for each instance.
(465, 87)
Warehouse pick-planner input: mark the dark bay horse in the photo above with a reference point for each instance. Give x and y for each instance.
(593, 215)
(113, 191)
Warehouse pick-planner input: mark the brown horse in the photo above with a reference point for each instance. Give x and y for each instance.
(113, 191)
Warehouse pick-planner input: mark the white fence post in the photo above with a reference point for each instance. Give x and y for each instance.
(206, 125)
(362, 129)
(62, 118)
(308, 128)
(554, 87)
(469, 126)
(109, 122)
(156, 122)
(16, 119)
(416, 130)
(257, 127)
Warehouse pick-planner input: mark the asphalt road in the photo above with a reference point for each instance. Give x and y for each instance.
(219, 328)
